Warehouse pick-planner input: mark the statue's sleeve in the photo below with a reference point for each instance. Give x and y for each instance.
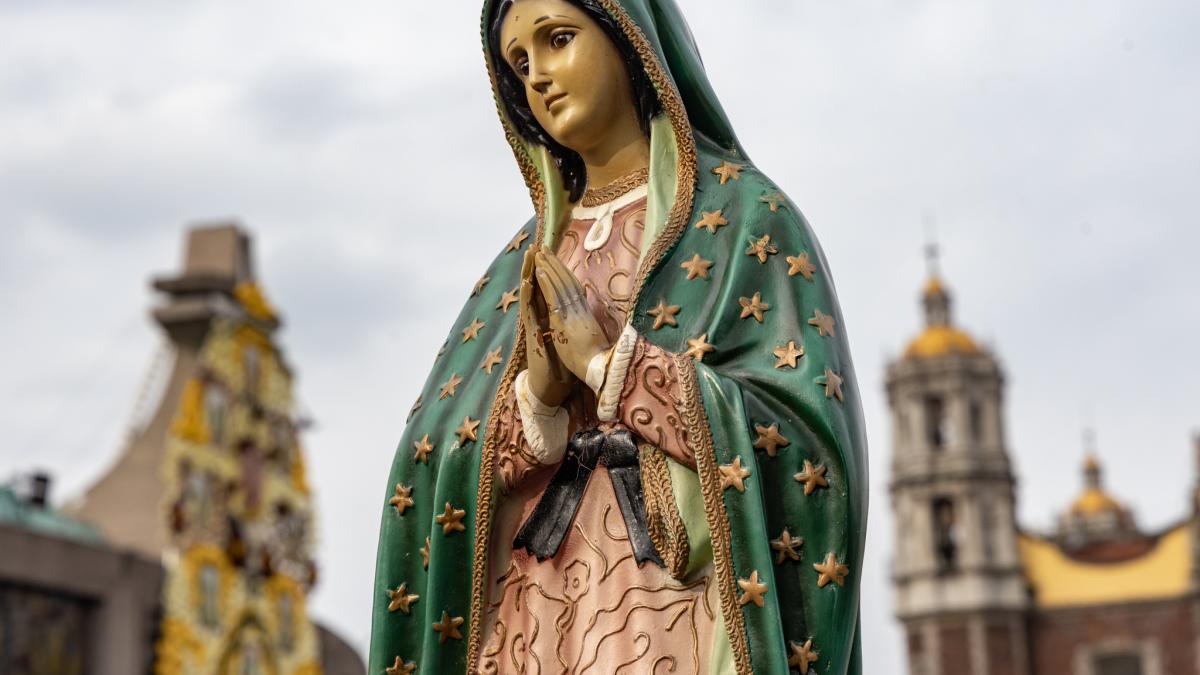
(642, 391)
(531, 433)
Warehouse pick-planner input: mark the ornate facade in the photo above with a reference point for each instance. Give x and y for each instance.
(214, 484)
(979, 595)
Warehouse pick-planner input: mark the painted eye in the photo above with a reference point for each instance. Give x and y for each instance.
(522, 65)
(560, 40)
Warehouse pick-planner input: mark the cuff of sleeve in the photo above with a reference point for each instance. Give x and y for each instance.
(597, 370)
(545, 426)
(614, 380)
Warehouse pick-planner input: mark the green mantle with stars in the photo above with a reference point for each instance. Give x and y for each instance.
(709, 200)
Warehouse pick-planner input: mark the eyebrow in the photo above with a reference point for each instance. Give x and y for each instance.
(536, 22)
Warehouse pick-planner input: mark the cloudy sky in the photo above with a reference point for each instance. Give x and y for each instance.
(1052, 146)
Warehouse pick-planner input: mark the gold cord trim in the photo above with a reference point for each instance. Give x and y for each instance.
(714, 510)
(663, 521)
(483, 500)
(621, 186)
(685, 184)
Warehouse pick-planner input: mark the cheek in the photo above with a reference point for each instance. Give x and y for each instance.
(540, 113)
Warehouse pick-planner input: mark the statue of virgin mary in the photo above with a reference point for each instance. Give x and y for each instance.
(641, 448)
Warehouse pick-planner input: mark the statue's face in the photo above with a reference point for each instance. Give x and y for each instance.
(575, 80)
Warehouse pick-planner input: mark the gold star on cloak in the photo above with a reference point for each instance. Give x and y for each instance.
(402, 499)
(664, 314)
(424, 550)
(697, 267)
(832, 383)
(786, 545)
(480, 284)
(754, 307)
(774, 201)
(492, 360)
(448, 628)
(761, 248)
(728, 170)
(813, 477)
(800, 264)
(471, 332)
(401, 599)
(467, 430)
(698, 347)
(424, 447)
(733, 475)
(770, 439)
(822, 322)
(515, 244)
(507, 299)
(787, 355)
(451, 386)
(711, 220)
(831, 570)
(802, 655)
(752, 590)
(451, 519)
(399, 668)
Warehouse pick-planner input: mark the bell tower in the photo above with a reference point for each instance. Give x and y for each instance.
(959, 589)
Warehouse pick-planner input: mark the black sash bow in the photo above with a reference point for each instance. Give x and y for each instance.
(543, 533)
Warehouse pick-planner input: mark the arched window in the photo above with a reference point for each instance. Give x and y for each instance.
(945, 535)
(935, 423)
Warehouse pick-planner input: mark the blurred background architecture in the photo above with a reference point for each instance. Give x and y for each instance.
(977, 593)
(193, 554)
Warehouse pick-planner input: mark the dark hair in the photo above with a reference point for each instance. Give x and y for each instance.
(516, 104)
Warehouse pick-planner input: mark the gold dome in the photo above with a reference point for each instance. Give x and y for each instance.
(939, 340)
(1095, 501)
(934, 285)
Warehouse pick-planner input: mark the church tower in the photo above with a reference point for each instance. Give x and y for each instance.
(959, 588)
(214, 484)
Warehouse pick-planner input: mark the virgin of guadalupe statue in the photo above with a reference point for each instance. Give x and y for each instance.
(641, 449)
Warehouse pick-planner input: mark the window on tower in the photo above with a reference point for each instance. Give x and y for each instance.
(976, 415)
(945, 535)
(1118, 664)
(935, 422)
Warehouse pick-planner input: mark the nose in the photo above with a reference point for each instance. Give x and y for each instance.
(539, 79)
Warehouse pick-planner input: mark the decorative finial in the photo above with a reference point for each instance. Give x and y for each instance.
(935, 298)
(931, 259)
(1091, 462)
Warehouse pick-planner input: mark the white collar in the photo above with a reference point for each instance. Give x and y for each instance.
(600, 231)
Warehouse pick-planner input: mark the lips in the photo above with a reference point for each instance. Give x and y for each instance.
(550, 100)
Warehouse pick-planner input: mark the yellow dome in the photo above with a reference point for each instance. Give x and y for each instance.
(1095, 501)
(939, 341)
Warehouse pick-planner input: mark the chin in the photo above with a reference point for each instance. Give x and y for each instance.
(569, 130)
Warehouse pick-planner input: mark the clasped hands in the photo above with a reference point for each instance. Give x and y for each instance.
(562, 337)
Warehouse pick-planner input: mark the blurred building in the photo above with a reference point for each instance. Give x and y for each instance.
(192, 555)
(976, 593)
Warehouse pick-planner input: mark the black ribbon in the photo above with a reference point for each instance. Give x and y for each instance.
(543, 533)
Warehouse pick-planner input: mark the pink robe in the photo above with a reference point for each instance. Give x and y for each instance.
(590, 608)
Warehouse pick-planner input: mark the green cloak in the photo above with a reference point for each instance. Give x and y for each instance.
(731, 395)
